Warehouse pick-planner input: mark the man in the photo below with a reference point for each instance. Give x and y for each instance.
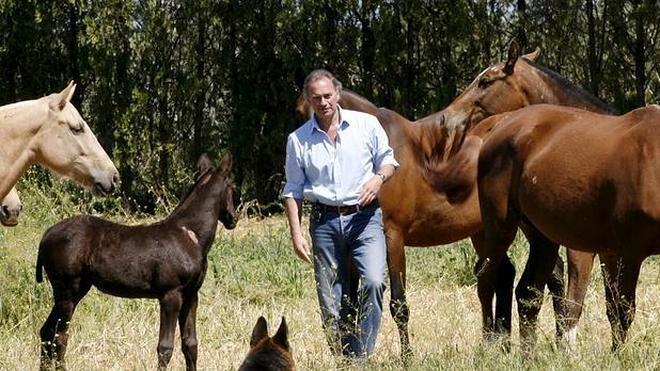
(339, 160)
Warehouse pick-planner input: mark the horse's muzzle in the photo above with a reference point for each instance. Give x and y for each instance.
(8, 218)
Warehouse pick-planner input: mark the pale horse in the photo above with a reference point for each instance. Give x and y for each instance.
(50, 132)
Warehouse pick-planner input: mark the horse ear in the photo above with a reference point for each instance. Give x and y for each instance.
(65, 96)
(282, 335)
(225, 163)
(514, 53)
(203, 164)
(259, 331)
(533, 55)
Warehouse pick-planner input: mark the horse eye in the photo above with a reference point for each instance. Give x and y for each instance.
(484, 83)
(77, 130)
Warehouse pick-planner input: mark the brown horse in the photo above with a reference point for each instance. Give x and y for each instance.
(269, 353)
(579, 179)
(165, 260)
(433, 214)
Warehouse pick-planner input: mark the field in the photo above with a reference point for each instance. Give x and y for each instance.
(253, 272)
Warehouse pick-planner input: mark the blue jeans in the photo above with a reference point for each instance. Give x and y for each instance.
(349, 266)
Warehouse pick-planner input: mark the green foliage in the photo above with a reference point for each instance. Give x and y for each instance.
(162, 81)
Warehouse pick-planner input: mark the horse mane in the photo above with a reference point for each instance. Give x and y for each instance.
(570, 88)
(200, 179)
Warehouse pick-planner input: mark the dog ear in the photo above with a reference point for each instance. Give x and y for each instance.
(259, 331)
(282, 335)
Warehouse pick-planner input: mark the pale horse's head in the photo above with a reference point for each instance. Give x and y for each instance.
(67, 145)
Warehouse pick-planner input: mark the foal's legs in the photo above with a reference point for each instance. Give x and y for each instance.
(170, 305)
(529, 292)
(620, 276)
(54, 338)
(187, 321)
(396, 264)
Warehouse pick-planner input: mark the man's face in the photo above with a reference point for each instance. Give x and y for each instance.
(323, 98)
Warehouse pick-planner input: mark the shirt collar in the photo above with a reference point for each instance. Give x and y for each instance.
(342, 120)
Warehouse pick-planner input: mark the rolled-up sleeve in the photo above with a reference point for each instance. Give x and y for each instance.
(293, 170)
(383, 153)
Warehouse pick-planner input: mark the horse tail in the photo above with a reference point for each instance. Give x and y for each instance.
(40, 260)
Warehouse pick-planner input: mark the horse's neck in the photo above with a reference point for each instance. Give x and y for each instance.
(352, 101)
(19, 122)
(546, 87)
(199, 211)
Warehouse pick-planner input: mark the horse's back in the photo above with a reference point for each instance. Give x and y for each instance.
(578, 171)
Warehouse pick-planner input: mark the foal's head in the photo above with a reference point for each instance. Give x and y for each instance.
(269, 353)
(229, 194)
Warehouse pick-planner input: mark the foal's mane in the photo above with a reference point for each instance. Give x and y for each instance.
(200, 180)
(569, 87)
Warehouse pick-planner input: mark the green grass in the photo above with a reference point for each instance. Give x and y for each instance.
(253, 271)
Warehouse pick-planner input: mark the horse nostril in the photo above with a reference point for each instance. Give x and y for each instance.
(5, 209)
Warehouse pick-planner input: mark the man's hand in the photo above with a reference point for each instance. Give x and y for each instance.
(301, 247)
(369, 190)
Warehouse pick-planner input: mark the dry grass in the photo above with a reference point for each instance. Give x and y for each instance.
(253, 272)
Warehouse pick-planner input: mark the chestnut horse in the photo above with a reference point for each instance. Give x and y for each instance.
(50, 132)
(269, 353)
(434, 215)
(165, 261)
(579, 179)
(10, 208)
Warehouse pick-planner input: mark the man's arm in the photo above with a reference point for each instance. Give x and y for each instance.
(293, 209)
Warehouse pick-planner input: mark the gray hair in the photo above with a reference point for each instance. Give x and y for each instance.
(317, 75)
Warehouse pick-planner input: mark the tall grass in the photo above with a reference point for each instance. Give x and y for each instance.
(253, 272)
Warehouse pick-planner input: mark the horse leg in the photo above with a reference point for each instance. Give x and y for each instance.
(170, 305)
(487, 320)
(495, 275)
(579, 271)
(620, 276)
(501, 323)
(529, 292)
(556, 284)
(188, 330)
(396, 265)
(504, 299)
(53, 333)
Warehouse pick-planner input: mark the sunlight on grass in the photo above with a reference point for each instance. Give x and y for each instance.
(253, 271)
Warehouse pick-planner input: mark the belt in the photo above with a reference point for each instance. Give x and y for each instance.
(342, 210)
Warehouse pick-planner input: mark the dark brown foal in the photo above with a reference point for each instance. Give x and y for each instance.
(165, 261)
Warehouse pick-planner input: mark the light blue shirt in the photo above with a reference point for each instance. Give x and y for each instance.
(333, 173)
